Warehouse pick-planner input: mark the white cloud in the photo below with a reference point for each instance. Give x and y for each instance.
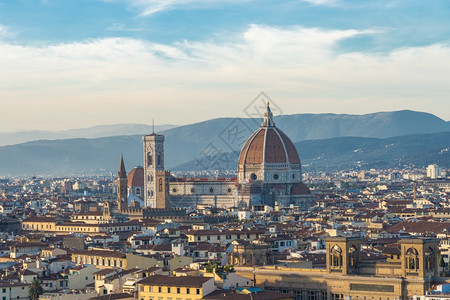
(127, 80)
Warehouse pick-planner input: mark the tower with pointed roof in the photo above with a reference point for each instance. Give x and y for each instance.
(122, 182)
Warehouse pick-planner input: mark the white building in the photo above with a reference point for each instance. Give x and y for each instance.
(433, 171)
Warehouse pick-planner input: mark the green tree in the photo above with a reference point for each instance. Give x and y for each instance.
(35, 289)
(228, 268)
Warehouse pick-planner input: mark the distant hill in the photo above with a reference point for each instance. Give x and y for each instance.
(11, 138)
(193, 142)
(376, 125)
(356, 152)
(88, 156)
(298, 127)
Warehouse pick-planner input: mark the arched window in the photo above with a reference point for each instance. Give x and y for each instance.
(352, 259)
(159, 160)
(412, 259)
(429, 259)
(149, 159)
(160, 185)
(336, 256)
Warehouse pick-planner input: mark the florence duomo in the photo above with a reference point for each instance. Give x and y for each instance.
(269, 173)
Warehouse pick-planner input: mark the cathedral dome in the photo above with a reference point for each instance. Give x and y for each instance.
(269, 156)
(136, 177)
(268, 145)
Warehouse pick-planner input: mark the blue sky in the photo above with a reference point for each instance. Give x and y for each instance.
(78, 63)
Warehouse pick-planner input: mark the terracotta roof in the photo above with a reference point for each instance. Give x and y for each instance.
(392, 250)
(233, 295)
(300, 189)
(136, 177)
(162, 247)
(190, 281)
(28, 272)
(227, 231)
(112, 296)
(269, 145)
(421, 227)
(41, 219)
(106, 272)
(104, 253)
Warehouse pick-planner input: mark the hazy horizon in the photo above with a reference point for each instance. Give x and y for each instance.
(195, 122)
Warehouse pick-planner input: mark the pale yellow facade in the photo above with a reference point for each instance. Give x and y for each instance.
(175, 292)
(346, 276)
(101, 259)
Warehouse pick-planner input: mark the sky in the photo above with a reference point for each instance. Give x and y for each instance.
(79, 63)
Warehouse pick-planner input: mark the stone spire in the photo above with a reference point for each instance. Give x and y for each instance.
(122, 186)
(122, 172)
(268, 117)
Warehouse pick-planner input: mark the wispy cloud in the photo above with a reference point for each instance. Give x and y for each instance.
(322, 2)
(4, 31)
(150, 7)
(122, 27)
(131, 76)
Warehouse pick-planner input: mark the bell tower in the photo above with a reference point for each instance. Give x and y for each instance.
(420, 257)
(156, 179)
(343, 254)
(106, 212)
(122, 182)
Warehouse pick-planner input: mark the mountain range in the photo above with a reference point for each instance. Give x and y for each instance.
(323, 140)
(11, 138)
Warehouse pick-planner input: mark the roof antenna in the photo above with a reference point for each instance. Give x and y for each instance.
(153, 125)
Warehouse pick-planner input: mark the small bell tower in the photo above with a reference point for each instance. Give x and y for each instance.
(122, 185)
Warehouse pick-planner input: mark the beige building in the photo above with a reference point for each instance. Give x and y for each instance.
(223, 236)
(52, 225)
(346, 276)
(171, 287)
(100, 258)
(81, 276)
(91, 217)
(14, 290)
(104, 259)
(250, 253)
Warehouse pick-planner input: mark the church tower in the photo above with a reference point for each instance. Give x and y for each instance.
(106, 212)
(156, 179)
(122, 182)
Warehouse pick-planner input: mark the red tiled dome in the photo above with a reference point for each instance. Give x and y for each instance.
(136, 177)
(269, 145)
(300, 189)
